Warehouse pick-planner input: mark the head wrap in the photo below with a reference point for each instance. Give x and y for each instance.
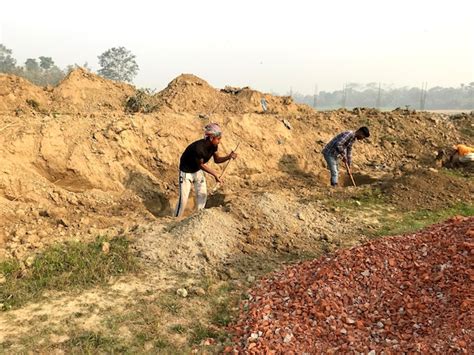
(212, 130)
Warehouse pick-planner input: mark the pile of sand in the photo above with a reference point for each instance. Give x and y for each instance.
(188, 93)
(251, 100)
(19, 94)
(82, 91)
(198, 244)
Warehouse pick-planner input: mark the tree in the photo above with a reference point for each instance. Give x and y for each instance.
(7, 62)
(32, 71)
(46, 63)
(118, 64)
(32, 65)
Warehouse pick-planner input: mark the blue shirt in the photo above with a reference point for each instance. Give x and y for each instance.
(341, 145)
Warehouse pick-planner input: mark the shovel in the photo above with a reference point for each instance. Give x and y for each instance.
(350, 174)
(223, 171)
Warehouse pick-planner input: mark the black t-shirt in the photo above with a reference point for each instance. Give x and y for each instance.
(190, 160)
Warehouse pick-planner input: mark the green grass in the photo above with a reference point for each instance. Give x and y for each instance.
(468, 132)
(413, 221)
(167, 317)
(146, 323)
(62, 267)
(396, 221)
(170, 304)
(365, 198)
(92, 343)
(200, 332)
(222, 313)
(178, 328)
(457, 173)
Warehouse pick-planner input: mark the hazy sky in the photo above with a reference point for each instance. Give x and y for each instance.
(268, 45)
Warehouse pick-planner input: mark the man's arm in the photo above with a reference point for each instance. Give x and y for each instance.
(219, 160)
(349, 155)
(209, 170)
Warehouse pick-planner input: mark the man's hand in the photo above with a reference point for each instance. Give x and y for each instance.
(344, 159)
(218, 179)
(232, 155)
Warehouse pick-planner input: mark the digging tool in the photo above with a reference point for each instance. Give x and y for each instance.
(223, 171)
(350, 174)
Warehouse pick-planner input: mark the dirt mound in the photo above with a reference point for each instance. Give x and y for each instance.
(251, 100)
(465, 123)
(428, 190)
(83, 91)
(188, 93)
(197, 244)
(410, 293)
(19, 94)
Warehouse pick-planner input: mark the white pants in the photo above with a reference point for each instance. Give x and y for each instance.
(200, 188)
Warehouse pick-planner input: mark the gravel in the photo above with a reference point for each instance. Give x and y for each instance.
(410, 293)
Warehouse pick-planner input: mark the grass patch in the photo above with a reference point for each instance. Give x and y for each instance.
(92, 343)
(175, 325)
(413, 221)
(222, 314)
(178, 328)
(67, 266)
(223, 306)
(146, 322)
(364, 199)
(457, 173)
(200, 332)
(467, 131)
(170, 304)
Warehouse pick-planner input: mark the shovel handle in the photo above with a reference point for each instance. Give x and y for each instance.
(225, 167)
(350, 174)
(223, 171)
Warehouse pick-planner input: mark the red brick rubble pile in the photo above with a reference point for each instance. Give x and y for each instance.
(411, 293)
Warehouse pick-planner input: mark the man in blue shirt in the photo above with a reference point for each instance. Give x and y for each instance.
(341, 145)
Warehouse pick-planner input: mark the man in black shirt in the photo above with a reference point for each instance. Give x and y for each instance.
(193, 164)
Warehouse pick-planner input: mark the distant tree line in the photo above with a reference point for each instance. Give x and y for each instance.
(116, 64)
(120, 64)
(387, 97)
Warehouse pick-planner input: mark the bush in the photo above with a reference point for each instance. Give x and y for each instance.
(142, 101)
